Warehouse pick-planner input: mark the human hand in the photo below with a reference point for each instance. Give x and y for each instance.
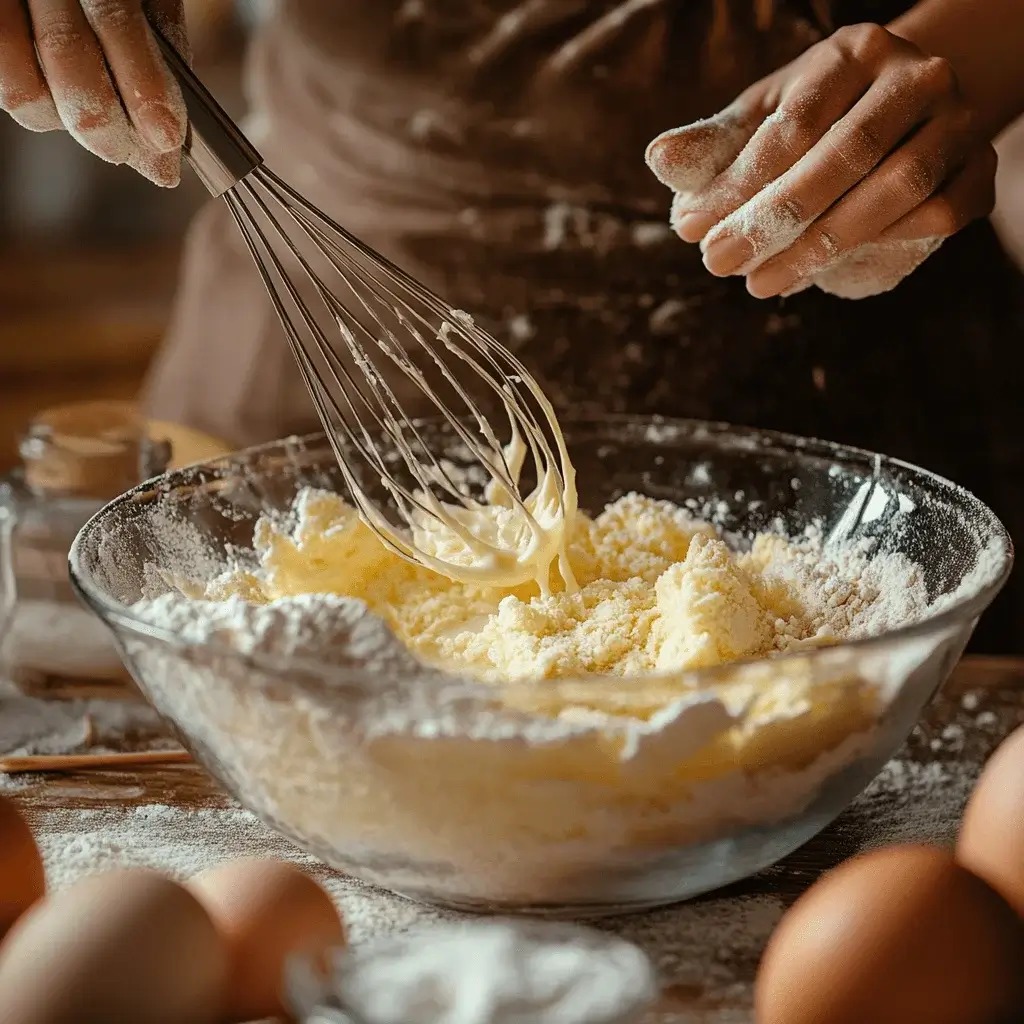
(844, 169)
(94, 68)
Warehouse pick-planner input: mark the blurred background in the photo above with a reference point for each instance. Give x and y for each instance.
(89, 253)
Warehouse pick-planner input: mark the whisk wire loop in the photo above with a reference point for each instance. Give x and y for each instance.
(375, 348)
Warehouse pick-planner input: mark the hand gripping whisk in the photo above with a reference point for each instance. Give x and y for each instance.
(369, 339)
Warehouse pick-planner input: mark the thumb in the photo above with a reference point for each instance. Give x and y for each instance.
(689, 158)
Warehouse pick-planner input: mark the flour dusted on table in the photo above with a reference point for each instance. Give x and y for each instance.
(33, 726)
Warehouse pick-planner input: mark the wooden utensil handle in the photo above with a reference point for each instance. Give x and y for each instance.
(91, 762)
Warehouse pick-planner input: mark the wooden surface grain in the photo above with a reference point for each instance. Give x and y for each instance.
(982, 703)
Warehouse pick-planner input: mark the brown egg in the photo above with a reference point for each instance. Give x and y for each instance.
(123, 946)
(902, 934)
(266, 910)
(22, 881)
(991, 842)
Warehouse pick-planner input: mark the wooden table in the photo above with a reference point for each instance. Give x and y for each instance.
(982, 703)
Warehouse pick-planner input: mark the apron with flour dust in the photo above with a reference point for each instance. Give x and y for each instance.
(500, 160)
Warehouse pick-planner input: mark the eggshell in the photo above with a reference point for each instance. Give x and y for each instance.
(266, 910)
(902, 934)
(122, 946)
(22, 881)
(991, 842)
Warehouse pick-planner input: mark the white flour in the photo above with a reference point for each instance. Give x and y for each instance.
(765, 221)
(494, 972)
(31, 726)
(37, 115)
(688, 159)
(875, 267)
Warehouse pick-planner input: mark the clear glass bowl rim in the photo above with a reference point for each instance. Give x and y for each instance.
(970, 607)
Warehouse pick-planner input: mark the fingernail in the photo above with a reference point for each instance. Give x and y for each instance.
(163, 169)
(163, 130)
(801, 286)
(656, 157)
(727, 254)
(765, 283)
(692, 227)
(39, 115)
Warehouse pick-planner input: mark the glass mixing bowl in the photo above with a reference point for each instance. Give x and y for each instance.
(451, 797)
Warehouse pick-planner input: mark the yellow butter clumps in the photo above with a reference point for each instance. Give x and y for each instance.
(660, 591)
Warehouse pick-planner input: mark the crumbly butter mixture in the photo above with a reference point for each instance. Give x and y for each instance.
(659, 591)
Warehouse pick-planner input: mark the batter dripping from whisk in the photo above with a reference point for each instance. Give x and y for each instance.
(497, 545)
(505, 540)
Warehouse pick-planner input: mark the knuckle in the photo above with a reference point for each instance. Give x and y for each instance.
(863, 146)
(106, 14)
(796, 127)
(866, 41)
(919, 175)
(943, 217)
(936, 74)
(57, 34)
(790, 207)
(963, 121)
(826, 242)
(963, 131)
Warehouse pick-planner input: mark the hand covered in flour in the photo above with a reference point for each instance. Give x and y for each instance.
(845, 169)
(94, 68)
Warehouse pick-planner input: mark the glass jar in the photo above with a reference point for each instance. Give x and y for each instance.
(74, 459)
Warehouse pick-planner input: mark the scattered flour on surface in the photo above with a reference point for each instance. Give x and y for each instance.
(30, 726)
(711, 944)
(707, 945)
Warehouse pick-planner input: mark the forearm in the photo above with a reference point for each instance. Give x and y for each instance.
(984, 41)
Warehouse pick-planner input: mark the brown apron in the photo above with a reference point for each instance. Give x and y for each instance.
(507, 173)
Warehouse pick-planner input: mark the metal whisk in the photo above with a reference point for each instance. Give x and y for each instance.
(370, 341)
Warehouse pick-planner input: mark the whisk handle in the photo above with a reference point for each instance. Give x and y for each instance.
(218, 151)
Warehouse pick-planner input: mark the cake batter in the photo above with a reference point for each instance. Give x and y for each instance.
(653, 591)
